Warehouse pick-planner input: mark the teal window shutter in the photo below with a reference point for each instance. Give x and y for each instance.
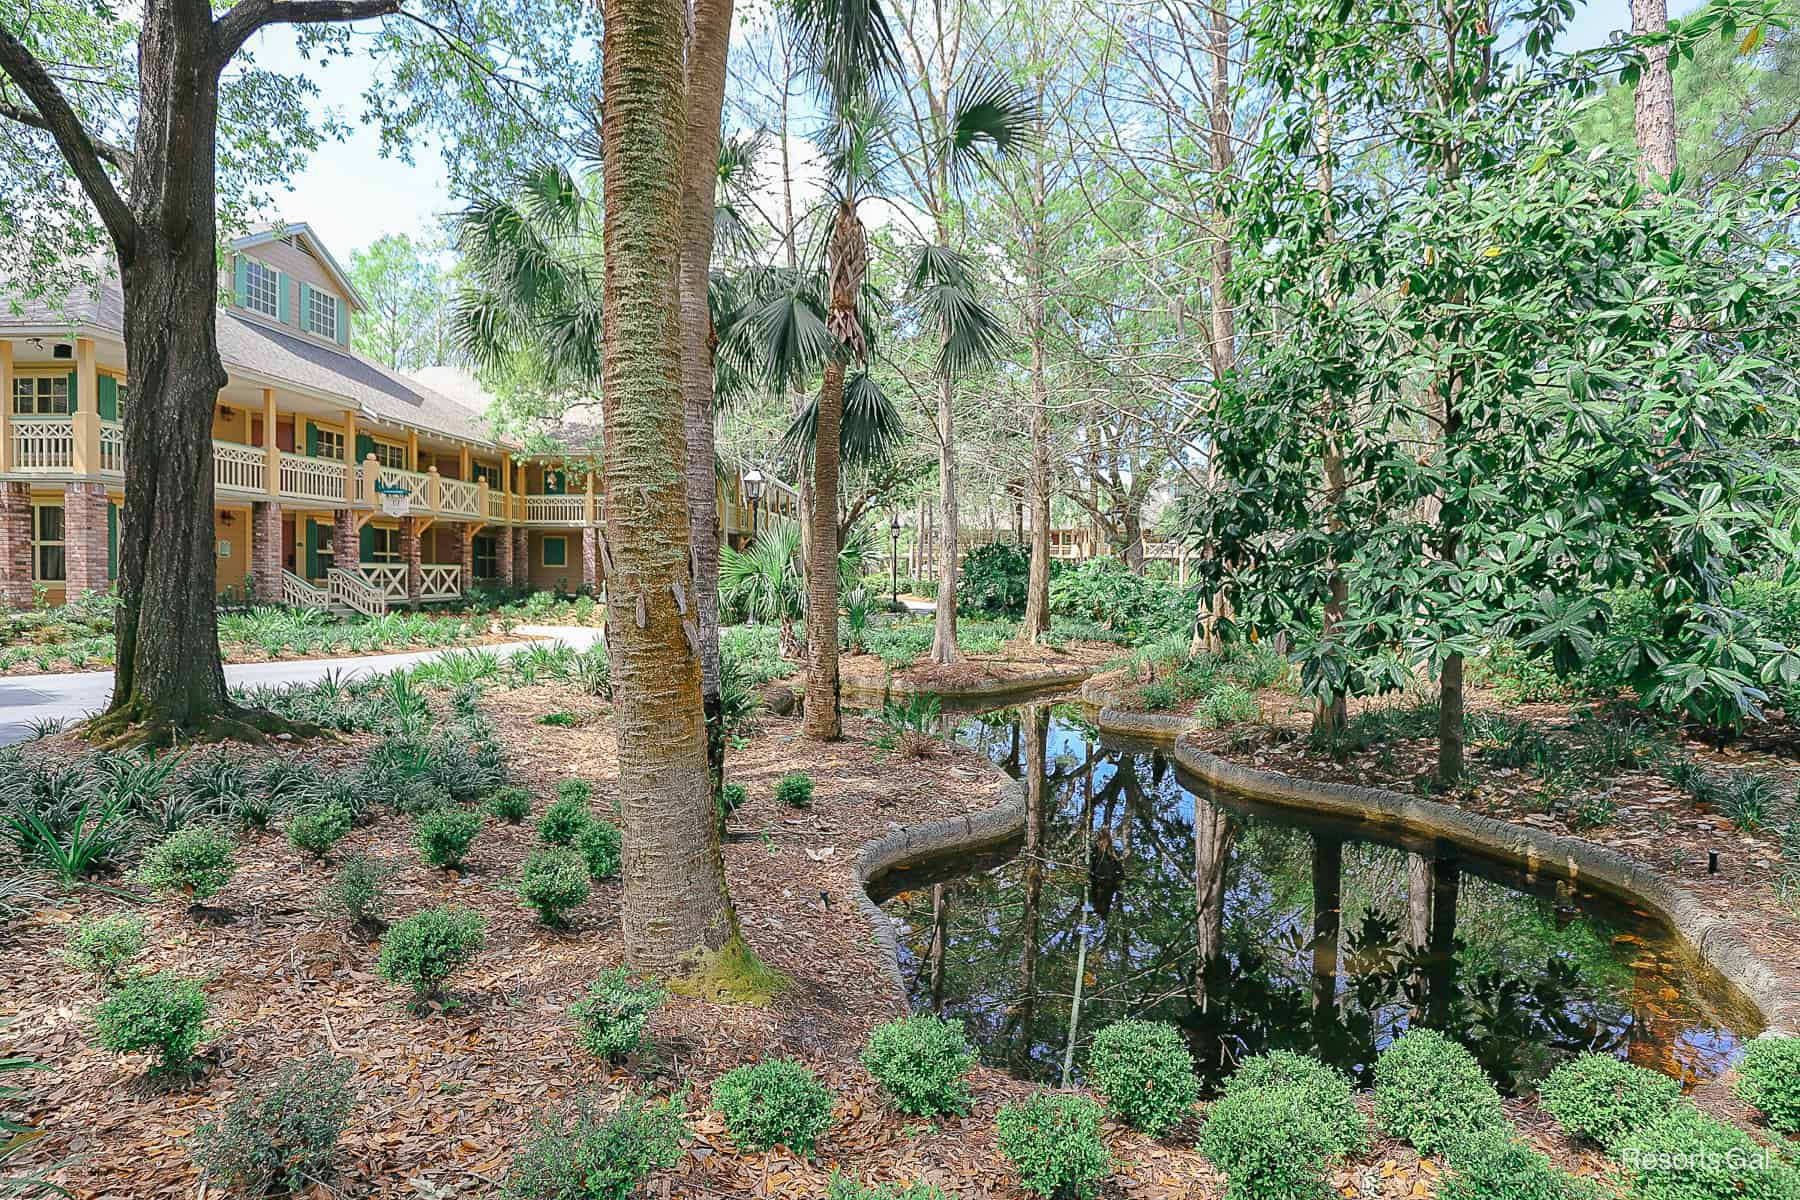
(313, 570)
(74, 392)
(109, 398)
(283, 306)
(305, 305)
(241, 281)
(312, 440)
(556, 552)
(343, 320)
(112, 540)
(366, 543)
(365, 446)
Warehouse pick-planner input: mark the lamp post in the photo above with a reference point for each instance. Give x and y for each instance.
(894, 539)
(753, 490)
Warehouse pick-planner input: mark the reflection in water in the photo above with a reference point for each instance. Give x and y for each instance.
(1251, 928)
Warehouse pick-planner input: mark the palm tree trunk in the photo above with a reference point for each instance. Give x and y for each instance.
(943, 641)
(821, 715)
(705, 105)
(675, 906)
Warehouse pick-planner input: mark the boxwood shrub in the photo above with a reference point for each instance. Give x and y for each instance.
(1601, 1099)
(423, 950)
(1686, 1155)
(1271, 1143)
(582, 1152)
(921, 1063)
(1053, 1142)
(162, 1012)
(1769, 1080)
(1328, 1090)
(443, 835)
(1429, 1090)
(1143, 1070)
(776, 1102)
(612, 1017)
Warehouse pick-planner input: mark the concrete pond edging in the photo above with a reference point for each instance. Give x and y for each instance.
(1775, 993)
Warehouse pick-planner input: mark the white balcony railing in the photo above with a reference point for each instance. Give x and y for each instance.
(438, 581)
(321, 479)
(496, 503)
(240, 468)
(388, 580)
(458, 498)
(112, 448)
(43, 443)
(414, 482)
(556, 510)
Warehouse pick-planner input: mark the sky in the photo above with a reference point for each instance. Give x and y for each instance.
(352, 195)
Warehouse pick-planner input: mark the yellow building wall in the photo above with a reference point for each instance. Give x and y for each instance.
(231, 548)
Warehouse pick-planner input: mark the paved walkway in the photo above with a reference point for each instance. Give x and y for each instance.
(26, 699)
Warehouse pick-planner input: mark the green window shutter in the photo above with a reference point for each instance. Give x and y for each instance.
(74, 392)
(556, 552)
(365, 446)
(284, 309)
(314, 569)
(109, 398)
(305, 305)
(366, 542)
(112, 540)
(312, 440)
(241, 280)
(343, 320)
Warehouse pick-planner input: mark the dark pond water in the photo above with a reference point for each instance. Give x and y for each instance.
(1136, 892)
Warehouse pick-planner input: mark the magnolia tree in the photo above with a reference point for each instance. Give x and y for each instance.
(1540, 379)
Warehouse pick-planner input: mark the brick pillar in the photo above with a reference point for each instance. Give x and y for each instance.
(409, 554)
(590, 554)
(84, 531)
(522, 556)
(467, 540)
(15, 545)
(503, 563)
(346, 546)
(265, 551)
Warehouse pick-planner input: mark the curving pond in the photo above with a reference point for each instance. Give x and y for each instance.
(1133, 891)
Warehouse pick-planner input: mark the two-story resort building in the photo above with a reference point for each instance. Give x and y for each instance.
(337, 483)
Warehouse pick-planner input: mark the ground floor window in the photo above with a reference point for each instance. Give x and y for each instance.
(486, 553)
(556, 552)
(47, 563)
(381, 544)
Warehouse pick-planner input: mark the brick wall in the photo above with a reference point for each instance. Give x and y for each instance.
(503, 558)
(265, 551)
(346, 547)
(590, 553)
(521, 540)
(84, 535)
(466, 544)
(15, 545)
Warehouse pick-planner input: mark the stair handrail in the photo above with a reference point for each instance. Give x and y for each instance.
(300, 593)
(350, 589)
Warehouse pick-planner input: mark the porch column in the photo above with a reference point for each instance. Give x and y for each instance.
(503, 563)
(522, 555)
(346, 545)
(85, 453)
(84, 534)
(265, 551)
(466, 538)
(15, 542)
(6, 404)
(590, 551)
(409, 554)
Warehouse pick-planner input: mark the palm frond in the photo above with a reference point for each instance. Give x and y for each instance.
(971, 335)
(784, 334)
(871, 429)
(989, 114)
(847, 45)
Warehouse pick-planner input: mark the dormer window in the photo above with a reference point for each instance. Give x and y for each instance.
(261, 288)
(322, 313)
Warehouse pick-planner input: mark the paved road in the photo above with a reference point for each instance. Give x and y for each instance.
(26, 699)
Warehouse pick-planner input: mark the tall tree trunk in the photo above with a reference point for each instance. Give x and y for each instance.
(700, 172)
(675, 908)
(943, 639)
(1223, 340)
(1332, 714)
(821, 713)
(1037, 736)
(1037, 585)
(1654, 100)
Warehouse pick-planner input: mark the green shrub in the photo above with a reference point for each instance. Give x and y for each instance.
(425, 948)
(1769, 1080)
(161, 1012)
(583, 1152)
(776, 1102)
(317, 829)
(553, 881)
(1493, 1164)
(732, 797)
(612, 1017)
(1329, 1092)
(1271, 1143)
(994, 579)
(104, 945)
(563, 820)
(195, 862)
(578, 790)
(359, 892)
(842, 1187)
(1429, 1089)
(1143, 1070)
(1053, 1142)
(281, 1129)
(599, 845)
(443, 835)
(1687, 1155)
(510, 804)
(795, 790)
(920, 1062)
(1602, 1099)
(1229, 705)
